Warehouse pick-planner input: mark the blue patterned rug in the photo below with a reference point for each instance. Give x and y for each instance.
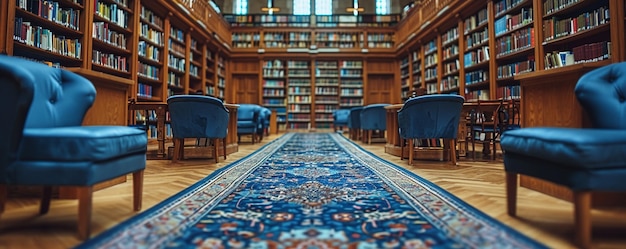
(312, 190)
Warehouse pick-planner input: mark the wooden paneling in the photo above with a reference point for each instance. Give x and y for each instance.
(245, 66)
(379, 89)
(387, 67)
(246, 88)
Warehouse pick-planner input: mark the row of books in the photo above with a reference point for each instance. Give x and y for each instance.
(554, 28)
(52, 11)
(45, 39)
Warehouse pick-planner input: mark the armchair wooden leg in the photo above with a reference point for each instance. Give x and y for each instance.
(369, 136)
(85, 195)
(511, 193)
(215, 146)
(582, 218)
(137, 189)
(402, 141)
(3, 196)
(46, 196)
(411, 150)
(177, 146)
(224, 147)
(453, 151)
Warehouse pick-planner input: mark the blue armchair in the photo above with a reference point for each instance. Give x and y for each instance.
(373, 118)
(44, 144)
(265, 115)
(340, 118)
(354, 122)
(197, 116)
(581, 159)
(248, 121)
(430, 116)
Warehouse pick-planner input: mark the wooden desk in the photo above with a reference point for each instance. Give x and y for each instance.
(231, 137)
(160, 109)
(463, 143)
(393, 145)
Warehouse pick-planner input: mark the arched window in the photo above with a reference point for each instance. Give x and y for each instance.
(323, 7)
(301, 7)
(241, 7)
(382, 7)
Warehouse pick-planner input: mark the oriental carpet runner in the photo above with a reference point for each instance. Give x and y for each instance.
(312, 190)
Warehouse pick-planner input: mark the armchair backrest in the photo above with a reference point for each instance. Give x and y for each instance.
(16, 97)
(265, 116)
(430, 116)
(602, 93)
(354, 121)
(374, 117)
(61, 97)
(249, 112)
(197, 116)
(341, 116)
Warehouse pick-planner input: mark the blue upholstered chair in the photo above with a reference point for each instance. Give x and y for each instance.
(340, 118)
(42, 141)
(581, 159)
(248, 121)
(373, 118)
(197, 116)
(354, 123)
(264, 123)
(430, 116)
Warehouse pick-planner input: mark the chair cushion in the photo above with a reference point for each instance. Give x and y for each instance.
(81, 143)
(569, 147)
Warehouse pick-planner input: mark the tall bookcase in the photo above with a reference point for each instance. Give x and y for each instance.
(299, 94)
(151, 52)
(450, 63)
(405, 77)
(326, 92)
(476, 54)
(274, 85)
(112, 37)
(176, 59)
(350, 83)
(514, 35)
(51, 33)
(431, 65)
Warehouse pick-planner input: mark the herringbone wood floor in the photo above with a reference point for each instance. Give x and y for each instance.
(479, 183)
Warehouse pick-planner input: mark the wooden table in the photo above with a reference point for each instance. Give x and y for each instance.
(393, 145)
(160, 109)
(462, 141)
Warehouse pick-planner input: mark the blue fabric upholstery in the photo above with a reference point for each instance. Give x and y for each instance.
(264, 123)
(581, 159)
(54, 149)
(373, 118)
(197, 116)
(430, 116)
(354, 122)
(340, 118)
(248, 120)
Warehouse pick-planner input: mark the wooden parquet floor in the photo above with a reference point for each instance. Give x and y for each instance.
(479, 183)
